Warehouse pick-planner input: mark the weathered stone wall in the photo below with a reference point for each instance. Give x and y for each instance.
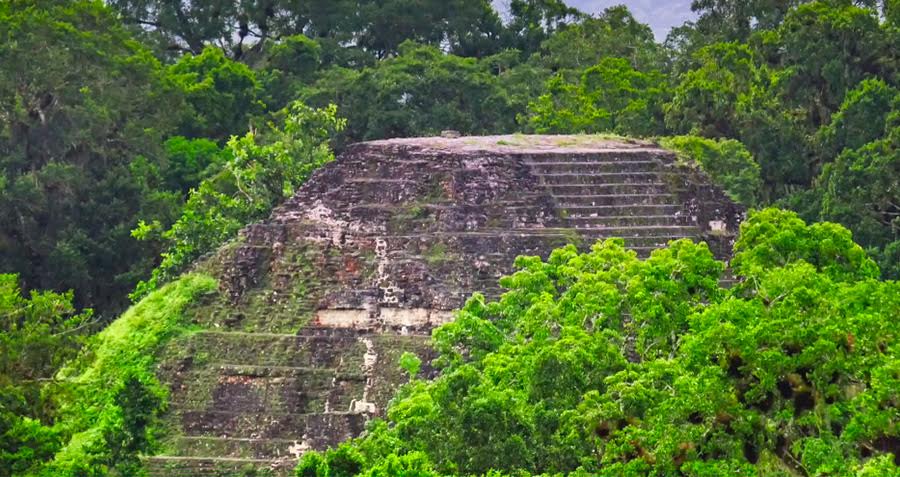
(317, 303)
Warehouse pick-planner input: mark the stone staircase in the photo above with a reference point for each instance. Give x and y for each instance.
(239, 401)
(249, 404)
(615, 194)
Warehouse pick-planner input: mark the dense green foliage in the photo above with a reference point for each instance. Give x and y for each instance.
(222, 94)
(138, 135)
(83, 111)
(98, 135)
(259, 174)
(604, 364)
(467, 27)
(38, 333)
(726, 161)
(609, 97)
(419, 92)
(114, 396)
(108, 398)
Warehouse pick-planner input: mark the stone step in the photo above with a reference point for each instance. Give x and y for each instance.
(639, 231)
(618, 155)
(236, 448)
(569, 200)
(281, 389)
(585, 245)
(174, 466)
(629, 210)
(544, 232)
(647, 243)
(642, 243)
(281, 372)
(589, 167)
(315, 348)
(611, 178)
(585, 220)
(524, 201)
(728, 283)
(549, 238)
(606, 189)
(233, 448)
(318, 430)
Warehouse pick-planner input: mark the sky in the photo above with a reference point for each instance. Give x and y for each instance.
(661, 15)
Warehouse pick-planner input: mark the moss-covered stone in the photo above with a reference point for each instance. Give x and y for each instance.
(301, 344)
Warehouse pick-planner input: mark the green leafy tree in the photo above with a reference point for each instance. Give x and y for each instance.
(189, 161)
(861, 119)
(613, 33)
(731, 93)
(828, 48)
(185, 26)
(110, 398)
(604, 364)
(861, 190)
(262, 170)
(38, 333)
(84, 109)
(222, 93)
(533, 21)
(519, 83)
(778, 137)
(735, 20)
(774, 238)
(469, 27)
(740, 20)
(610, 97)
(418, 93)
(704, 100)
(464, 27)
(287, 66)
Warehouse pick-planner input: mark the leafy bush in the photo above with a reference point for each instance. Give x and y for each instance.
(419, 92)
(861, 119)
(774, 238)
(727, 163)
(604, 364)
(190, 161)
(82, 102)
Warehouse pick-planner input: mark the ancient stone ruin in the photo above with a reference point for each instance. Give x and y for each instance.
(316, 304)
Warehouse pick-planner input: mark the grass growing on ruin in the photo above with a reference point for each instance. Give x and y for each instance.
(727, 163)
(562, 140)
(437, 254)
(113, 396)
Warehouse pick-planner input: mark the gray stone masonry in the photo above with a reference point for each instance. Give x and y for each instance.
(318, 302)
